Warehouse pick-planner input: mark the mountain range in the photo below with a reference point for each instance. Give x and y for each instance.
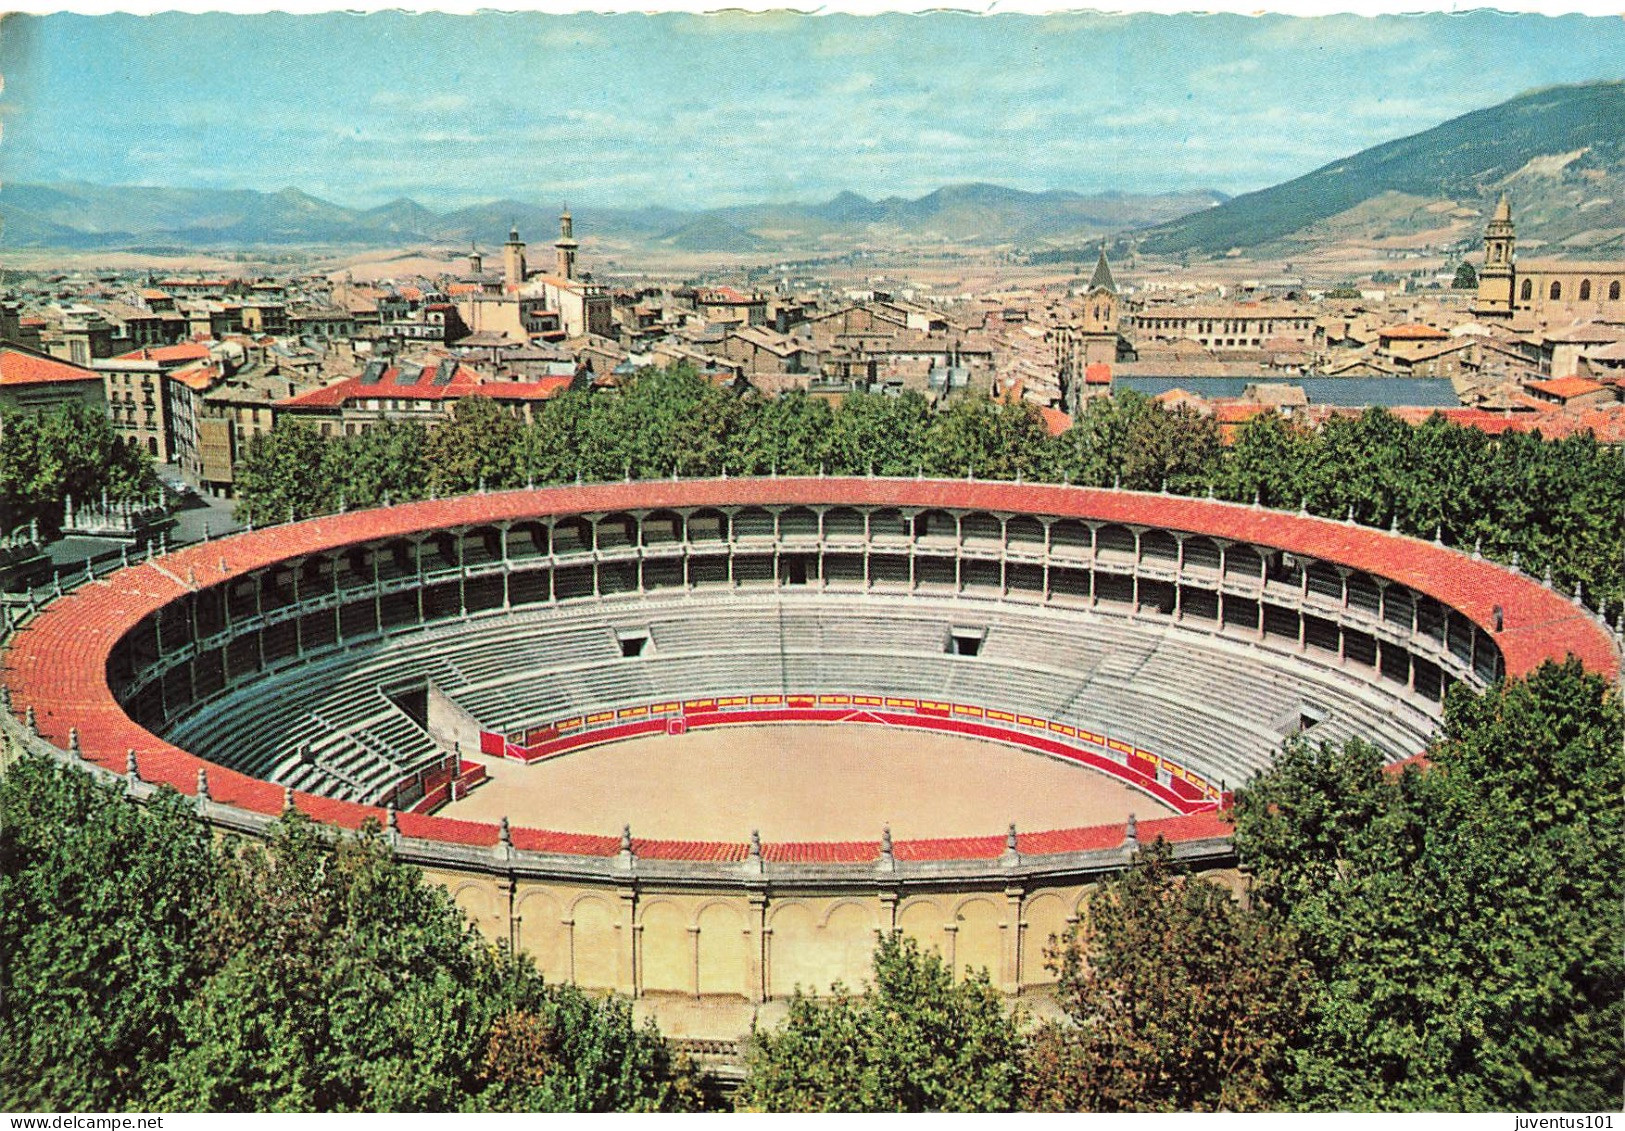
(79, 215)
(1559, 152)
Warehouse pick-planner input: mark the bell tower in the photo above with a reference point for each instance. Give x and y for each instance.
(1496, 279)
(513, 259)
(1100, 301)
(564, 252)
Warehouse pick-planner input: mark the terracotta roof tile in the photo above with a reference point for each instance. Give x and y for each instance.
(1055, 420)
(1565, 388)
(185, 351)
(25, 367)
(1412, 332)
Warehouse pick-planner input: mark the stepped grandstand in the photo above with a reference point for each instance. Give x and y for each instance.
(380, 664)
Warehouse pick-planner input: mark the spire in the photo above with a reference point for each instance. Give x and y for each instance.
(1102, 278)
(1503, 210)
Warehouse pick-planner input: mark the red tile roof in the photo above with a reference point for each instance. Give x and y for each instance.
(544, 388)
(1565, 388)
(1606, 422)
(1412, 332)
(1238, 412)
(58, 663)
(185, 351)
(1098, 374)
(465, 382)
(25, 367)
(200, 377)
(1055, 420)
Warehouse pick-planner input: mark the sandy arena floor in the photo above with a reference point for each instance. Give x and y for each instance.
(801, 782)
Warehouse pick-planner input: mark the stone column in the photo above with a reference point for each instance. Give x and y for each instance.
(417, 564)
(1134, 594)
(888, 911)
(377, 592)
(338, 607)
(627, 972)
(1014, 931)
(508, 886)
(507, 568)
(756, 951)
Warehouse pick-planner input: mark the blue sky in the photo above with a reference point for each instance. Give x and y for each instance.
(696, 111)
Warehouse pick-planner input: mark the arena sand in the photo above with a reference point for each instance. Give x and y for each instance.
(801, 782)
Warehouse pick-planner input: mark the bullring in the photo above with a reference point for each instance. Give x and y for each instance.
(351, 665)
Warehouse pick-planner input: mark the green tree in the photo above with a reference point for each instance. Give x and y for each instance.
(986, 438)
(103, 910)
(887, 434)
(386, 461)
(275, 481)
(1270, 462)
(340, 982)
(546, 452)
(1360, 464)
(71, 451)
(1133, 441)
(912, 1041)
(479, 446)
(1466, 278)
(149, 965)
(1177, 999)
(559, 1049)
(1463, 922)
(790, 434)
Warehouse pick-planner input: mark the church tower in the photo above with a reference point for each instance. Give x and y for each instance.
(1089, 343)
(476, 261)
(1100, 301)
(564, 252)
(513, 259)
(1496, 279)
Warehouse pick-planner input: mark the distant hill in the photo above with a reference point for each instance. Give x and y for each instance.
(969, 213)
(711, 233)
(1560, 152)
(83, 216)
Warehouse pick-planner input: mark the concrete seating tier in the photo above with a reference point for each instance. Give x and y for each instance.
(1218, 705)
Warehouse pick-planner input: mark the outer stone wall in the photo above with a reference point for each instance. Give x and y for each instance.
(759, 945)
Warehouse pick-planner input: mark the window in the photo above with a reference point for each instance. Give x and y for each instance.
(1528, 291)
(1585, 290)
(1613, 291)
(1556, 291)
